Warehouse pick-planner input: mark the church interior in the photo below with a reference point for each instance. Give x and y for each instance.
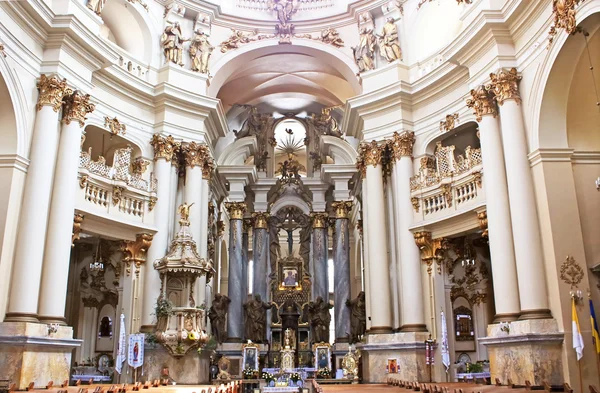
(299, 196)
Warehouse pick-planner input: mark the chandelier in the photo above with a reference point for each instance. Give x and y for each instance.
(98, 265)
(468, 257)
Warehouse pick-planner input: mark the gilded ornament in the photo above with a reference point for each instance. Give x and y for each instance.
(341, 208)
(447, 192)
(416, 203)
(261, 220)
(152, 202)
(77, 106)
(135, 251)
(477, 176)
(208, 167)
(402, 144)
(449, 123)
(172, 42)
(564, 14)
(139, 165)
(184, 213)
(364, 51)
(370, 153)
(220, 228)
(197, 154)
(482, 102)
(332, 37)
(117, 194)
(389, 47)
(571, 272)
(432, 250)
(51, 92)
(505, 85)
(319, 220)
(114, 125)
(200, 52)
(83, 181)
(164, 147)
(483, 222)
(236, 210)
(77, 220)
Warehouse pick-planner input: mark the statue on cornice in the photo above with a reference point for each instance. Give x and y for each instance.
(332, 37)
(284, 9)
(364, 52)
(254, 124)
(172, 42)
(388, 41)
(236, 38)
(96, 6)
(200, 51)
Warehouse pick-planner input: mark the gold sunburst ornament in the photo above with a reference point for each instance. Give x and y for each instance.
(571, 272)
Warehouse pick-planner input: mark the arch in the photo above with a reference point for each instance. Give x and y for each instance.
(233, 60)
(548, 108)
(130, 29)
(339, 150)
(290, 200)
(237, 152)
(15, 136)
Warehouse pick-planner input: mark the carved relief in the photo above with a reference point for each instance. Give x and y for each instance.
(77, 220)
(236, 210)
(341, 208)
(564, 14)
(402, 144)
(332, 37)
(200, 52)
(432, 250)
(571, 273)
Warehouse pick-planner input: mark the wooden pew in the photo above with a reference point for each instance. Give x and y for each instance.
(513, 385)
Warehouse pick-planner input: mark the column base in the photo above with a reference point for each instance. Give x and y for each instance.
(407, 348)
(58, 320)
(21, 317)
(29, 352)
(413, 328)
(528, 351)
(380, 330)
(506, 317)
(541, 313)
(190, 369)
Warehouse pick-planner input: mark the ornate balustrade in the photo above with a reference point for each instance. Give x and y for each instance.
(446, 184)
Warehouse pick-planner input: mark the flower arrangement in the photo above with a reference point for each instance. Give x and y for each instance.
(295, 377)
(474, 368)
(268, 377)
(193, 336)
(248, 373)
(324, 373)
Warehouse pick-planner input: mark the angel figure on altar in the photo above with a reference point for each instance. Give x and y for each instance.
(184, 212)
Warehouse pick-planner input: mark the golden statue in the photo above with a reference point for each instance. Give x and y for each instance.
(184, 212)
(388, 41)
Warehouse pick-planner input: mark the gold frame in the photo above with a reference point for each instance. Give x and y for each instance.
(256, 358)
(290, 265)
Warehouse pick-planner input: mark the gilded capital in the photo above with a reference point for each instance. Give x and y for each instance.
(236, 210)
(505, 85)
(341, 208)
(319, 220)
(402, 144)
(135, 251)
(51, 92)
(482, 102)
(77, 107)
(164, 147)
(369, 153)
(195, 154)
(261, 220)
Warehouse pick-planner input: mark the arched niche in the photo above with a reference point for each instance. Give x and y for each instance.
(129, 27)
(237, 153)
(106, 328)
(13, 138)
(339, 150)
(104, 143)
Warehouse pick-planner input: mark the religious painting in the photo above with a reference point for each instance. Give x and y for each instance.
(290, 277)
(392, 366)
(463, 324)
(322, 356)
(250, 354)
(290, 274)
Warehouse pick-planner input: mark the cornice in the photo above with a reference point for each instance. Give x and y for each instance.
(14, 161)
(550, 155)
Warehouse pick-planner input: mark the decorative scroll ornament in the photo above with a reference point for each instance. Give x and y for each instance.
(402, 144)
(341, 208)
(571, 272)
(209, 165)
(135, 251)
(236, 210)
(482, 102)
(415, 203)
(449, 123)
(260, 220)
(77, 220)
(115, 126)
(564, 17)
(431, 250)
(483, 222)
(319, 220)
(77, 106)
(52, 90)
(164, 147)
(371, 153)
(152, 202)
(505, 85)
(139, 165)
(238, 38)
(117, 194)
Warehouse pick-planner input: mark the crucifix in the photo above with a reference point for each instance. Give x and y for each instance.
(289, 225)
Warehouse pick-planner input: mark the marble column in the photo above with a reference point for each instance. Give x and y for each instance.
(341, 270)
(525, 225)
(57, 254)
(370, 156)
(260, 250)
(319, 246)
(27, 266)
(412, 307)
(247, 224)
(164, 152)
(504, 270)
(235, 317)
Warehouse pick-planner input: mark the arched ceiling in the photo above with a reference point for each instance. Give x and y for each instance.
(286, 82)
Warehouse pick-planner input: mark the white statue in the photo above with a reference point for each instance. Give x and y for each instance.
(388, 41)
(200, 51)
(172, 42)
(96, 6)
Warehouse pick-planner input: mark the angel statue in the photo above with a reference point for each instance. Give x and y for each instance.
(284, 9)
(200, 51)
(388, 41)
(172, 42)
(332, 37)
(184, 212)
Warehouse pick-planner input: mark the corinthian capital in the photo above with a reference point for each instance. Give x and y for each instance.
(261, 220)
(402, 144)
(319, 220)
(482, 102)
(341, 208)
(52, 90)
(77, 107)
(195, 154)
(505, 85)
(164, 147)
(236, 210)
(369, 153)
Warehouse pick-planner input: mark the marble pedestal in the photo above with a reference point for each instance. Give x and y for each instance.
(30, 353)
(407, 347)
(529, 351)
(191, 369)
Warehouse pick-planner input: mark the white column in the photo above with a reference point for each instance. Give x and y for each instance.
(57, 255)
(377, 263)
(413, 312)
(173, 202)
(525, 225)
(504, 271)
(163, 154)
(365, 250)
(27, 267)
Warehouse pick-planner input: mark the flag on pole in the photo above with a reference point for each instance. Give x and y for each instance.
(577, 337)
(121, 348)
(445, 350)
(595, 331)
